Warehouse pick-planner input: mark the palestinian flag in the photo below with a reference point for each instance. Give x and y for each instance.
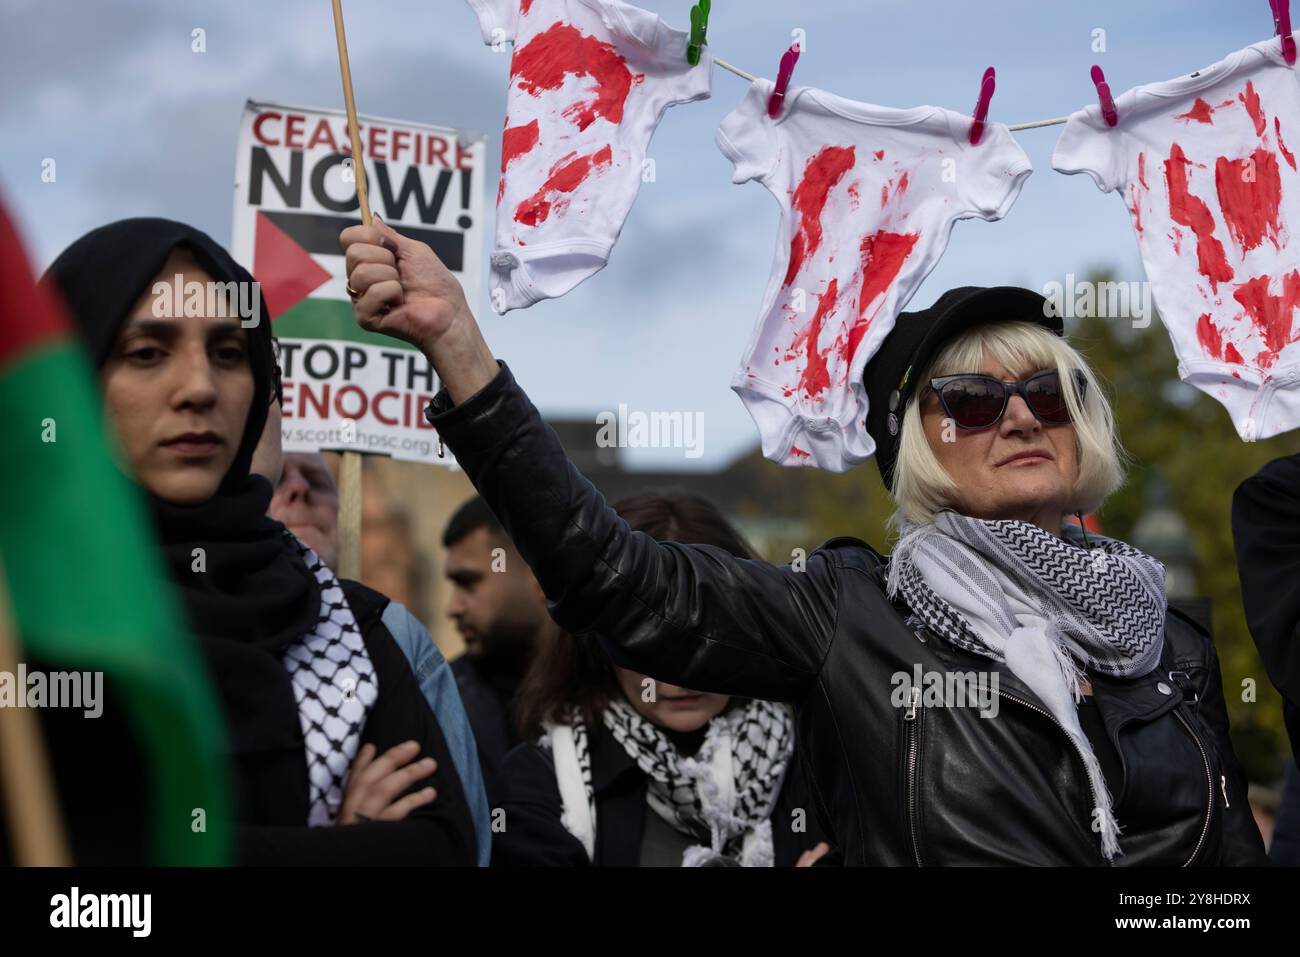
(297, 260)
(83, 577)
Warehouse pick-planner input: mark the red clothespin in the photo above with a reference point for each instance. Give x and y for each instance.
(982, 106)
(788, 61)
(1108, 110)
(1282, 24)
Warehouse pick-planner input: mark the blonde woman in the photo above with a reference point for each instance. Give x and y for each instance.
(998, 691)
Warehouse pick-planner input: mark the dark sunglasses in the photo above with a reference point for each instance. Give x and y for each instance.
(977, 401)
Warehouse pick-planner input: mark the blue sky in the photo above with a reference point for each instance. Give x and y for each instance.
(140, 125)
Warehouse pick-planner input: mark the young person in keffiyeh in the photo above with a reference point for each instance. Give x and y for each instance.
(325, 722)
(632, 772)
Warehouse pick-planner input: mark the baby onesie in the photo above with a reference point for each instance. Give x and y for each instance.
(868, 196)
(1203, 165)
(589, 82)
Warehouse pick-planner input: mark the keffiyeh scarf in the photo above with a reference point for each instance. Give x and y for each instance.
(723, 796)
(1044, 606)
(335, 685)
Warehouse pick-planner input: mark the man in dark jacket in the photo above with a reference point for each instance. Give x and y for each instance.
(500, 611)
(1266, 532)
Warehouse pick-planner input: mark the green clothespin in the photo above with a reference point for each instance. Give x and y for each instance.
(699, 31)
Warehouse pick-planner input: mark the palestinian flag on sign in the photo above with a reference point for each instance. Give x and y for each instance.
(82, 575)
(300, 265)
(294, 194)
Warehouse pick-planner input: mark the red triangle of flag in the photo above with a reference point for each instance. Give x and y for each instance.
(30, 314)
(286, 270)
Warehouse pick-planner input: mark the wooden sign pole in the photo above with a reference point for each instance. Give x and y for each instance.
(349, 560)
(31, 803)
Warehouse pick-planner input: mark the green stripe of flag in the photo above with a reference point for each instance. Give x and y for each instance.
(328, 319)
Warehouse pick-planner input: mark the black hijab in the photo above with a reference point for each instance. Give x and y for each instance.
(254, 589)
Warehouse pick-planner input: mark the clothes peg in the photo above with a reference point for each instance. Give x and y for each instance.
(699, 31)
(1108, 110)
(987, 86)
(788, 60)
(1282, 24)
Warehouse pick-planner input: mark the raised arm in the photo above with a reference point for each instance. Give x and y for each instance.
(693, 615)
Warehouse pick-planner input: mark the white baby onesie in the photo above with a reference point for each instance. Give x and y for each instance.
(1203, 166)
(868, 195)
(589, 82)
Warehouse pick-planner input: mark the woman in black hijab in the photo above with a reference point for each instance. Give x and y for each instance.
(312, 684)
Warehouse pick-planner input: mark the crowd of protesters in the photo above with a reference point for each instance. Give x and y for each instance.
(640, 688)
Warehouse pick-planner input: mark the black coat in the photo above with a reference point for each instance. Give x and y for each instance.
(534, 837)
(274, 797)
(892, 785)
(111, 825)
(489, 706)
(1284, 850)
(1266, 532)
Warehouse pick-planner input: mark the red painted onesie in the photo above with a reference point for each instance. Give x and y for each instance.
(1205, 166)
(589, 82)
(869, 195)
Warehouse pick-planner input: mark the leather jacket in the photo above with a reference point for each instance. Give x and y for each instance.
(910, 785)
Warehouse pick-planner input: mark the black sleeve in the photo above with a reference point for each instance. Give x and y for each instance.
(1242, 844)
(1266, 533)
(694, 615)
(832, 858)
(798, 804)
(533, 835)
(441, 832)
(1284, 849)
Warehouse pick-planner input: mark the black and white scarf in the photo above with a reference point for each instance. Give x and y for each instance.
(723, 796)
(1043, 606)
(335, 685)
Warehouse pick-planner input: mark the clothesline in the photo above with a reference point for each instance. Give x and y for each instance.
(1055, 121)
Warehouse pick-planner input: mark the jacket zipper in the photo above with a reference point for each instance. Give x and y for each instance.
(913, 755)
(1043, 711)
(1209, 786)
(1223, 783)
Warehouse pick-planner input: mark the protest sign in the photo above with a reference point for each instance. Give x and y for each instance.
(295, 191)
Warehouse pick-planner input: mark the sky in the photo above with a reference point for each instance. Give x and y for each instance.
(141, 125)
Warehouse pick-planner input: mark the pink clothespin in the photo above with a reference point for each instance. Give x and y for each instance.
(1282, 23)
(788, 60)
(982, 106)
(1108, 110)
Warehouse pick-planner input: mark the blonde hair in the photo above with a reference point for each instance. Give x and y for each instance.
(922, 487)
